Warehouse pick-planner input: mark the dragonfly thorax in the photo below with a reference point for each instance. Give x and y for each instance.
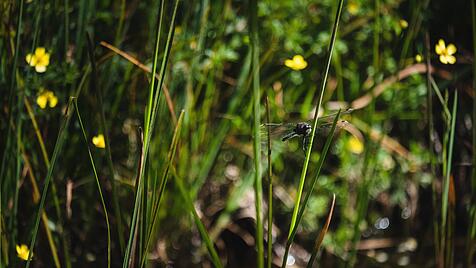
(303, 129)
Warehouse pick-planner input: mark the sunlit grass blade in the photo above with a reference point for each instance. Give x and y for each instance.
(57, 150)
(311, 188)
(316, 118)
(149, 127)
(98, 184)
(163, 183)
(322, 233)
(201, 228)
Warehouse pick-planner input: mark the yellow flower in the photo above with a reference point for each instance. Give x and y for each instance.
(46, 97)
(418, 58)
(403, 24)
(355, 145)
(99, 142)
(40, 59)
(23, 251)
(353, 7)
(297, 63)
(445, 52)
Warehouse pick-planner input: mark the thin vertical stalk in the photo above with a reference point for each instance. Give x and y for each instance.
(429, 98)
(270, 193)
(316, 117)
(149, 125)
(58, 147)
(163, 183)
(254, 37)
(98, 184)
(449, 156)
(311, 188)
(98, 90)
(201, 228)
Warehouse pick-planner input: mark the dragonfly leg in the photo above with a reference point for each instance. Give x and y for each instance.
(290, 135)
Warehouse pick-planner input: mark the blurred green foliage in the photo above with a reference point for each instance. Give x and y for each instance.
(209, 77)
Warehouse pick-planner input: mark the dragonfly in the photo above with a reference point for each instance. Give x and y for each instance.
(302, 130)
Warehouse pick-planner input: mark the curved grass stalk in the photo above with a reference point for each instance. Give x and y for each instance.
(97, 183)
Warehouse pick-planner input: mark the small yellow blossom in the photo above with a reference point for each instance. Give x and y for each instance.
(355, 145)
(40, 59)
(46, 97)
(297, 63)
(403, 24)
(99, 142)
(418, 58)
(445, 52)
(353, 7)
(23, 251)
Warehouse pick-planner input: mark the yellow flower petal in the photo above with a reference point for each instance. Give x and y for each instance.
(355, 145)
(40, 68)
(289, 63)
(23, 251)
(451, 49)
(40, 52)
(53, 100)
(444, 59)
(41, 100)
(418, 58)
(440, 47)
(99, 142)
(451, 59)
(31, 59)
(44, 60)
(296, 63)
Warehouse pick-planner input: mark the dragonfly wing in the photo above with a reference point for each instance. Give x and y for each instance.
(276, 130)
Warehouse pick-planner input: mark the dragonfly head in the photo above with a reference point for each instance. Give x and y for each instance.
(303, 129)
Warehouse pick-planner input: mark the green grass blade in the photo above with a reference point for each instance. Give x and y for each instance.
(150, 126)
(254, 38)
(201, 228)
(163, 183)
(110, 165)
(316, 117)
(446, 182)
(154, 68)
(270, 193)
(103, 203)
(311, 189)
(57, 150)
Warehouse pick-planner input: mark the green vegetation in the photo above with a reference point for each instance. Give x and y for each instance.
(144, 133)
